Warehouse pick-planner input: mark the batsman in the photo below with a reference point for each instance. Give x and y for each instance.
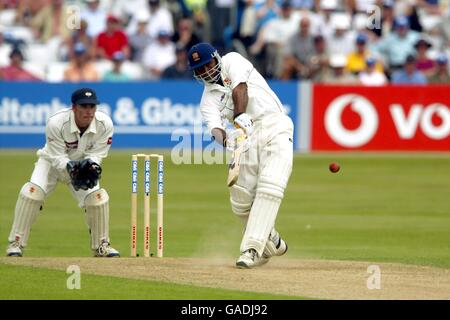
(77, 139)
(261, 140)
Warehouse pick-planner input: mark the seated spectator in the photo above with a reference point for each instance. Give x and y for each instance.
(371, 76)
(95, 17)
(424, 64)
(179, 70)
(272, 39)
(198, 11)
(299, 48)
(112, 40)
(397, 45)
(80, 68)
(185, 35)
(342, 41)
(324, 17)
(159, 55)
(356, 61)
(441, 75)
(141, 38)
(51, 21)
(338, 74)
(116, 74)
(319, 60)
(409, 74)
(80, 35)
(160, 18)
(15, 71)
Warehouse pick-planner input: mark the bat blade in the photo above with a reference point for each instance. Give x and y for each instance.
(234, 167)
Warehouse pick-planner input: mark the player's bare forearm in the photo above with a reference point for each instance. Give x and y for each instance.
(240, 98)
(219, 135)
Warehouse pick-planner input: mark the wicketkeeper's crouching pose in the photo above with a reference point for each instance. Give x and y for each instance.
(77, 139)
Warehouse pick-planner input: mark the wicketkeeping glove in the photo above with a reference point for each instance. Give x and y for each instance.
(84, 174)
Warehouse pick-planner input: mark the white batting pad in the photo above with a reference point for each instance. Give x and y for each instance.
(269, 193)
(29, 202)
(241, 201)
(97, 216)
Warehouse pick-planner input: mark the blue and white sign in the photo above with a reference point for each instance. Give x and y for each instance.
(145, 114)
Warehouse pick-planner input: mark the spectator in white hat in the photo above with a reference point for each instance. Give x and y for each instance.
(338, 74)
(342, 41)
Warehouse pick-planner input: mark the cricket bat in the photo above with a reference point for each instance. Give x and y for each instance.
(234, 167)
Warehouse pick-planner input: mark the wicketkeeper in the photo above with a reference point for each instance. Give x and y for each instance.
(77, 139)
(236, 91)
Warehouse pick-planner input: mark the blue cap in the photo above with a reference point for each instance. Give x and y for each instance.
(442, 59)
(401, 21)
(163, 33)
(118, 56)
(84, 96)
(200, 54)
(370, 61)
(361, 38)
(79, 48)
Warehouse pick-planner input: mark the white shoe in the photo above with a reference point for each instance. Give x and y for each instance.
(250, 259)
(275, 246)
(14, 249)
(105, 250)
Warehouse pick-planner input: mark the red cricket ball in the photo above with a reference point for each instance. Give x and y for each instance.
(334, 167)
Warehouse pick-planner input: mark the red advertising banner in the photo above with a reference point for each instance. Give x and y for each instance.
(391, 118)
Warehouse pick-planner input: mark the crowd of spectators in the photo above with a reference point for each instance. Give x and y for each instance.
(368, 42)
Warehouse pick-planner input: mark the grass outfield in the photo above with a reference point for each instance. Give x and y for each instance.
(385, 208)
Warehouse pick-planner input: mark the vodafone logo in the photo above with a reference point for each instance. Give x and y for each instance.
(351, 138)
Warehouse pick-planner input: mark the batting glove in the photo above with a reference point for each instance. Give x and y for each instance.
(244, 122)
(236, 138)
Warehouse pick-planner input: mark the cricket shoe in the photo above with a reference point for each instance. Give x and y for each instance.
(105, 250)
(14, 249)
(275, 246)
(250, 259)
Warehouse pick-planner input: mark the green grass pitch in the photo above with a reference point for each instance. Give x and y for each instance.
(378, 207)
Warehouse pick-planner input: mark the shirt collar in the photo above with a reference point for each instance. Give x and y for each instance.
(74, 128)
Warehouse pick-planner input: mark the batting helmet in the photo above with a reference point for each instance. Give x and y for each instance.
(200, 55)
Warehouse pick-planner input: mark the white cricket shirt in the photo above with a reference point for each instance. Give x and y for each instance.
(216, 105)
(63, 141)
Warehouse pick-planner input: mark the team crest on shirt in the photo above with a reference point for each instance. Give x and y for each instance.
(227, 81)
(71, 145)
(221, 98)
